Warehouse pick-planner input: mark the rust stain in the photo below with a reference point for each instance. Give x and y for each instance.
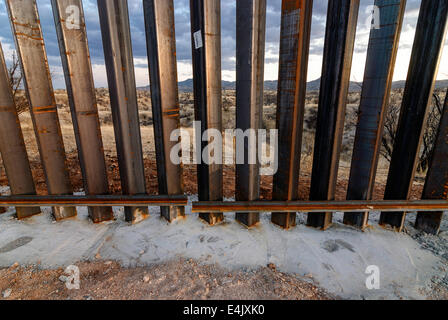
(42, 112)
(28, 36)
(27, 25)
(44, 108)
(91, 201)
(7, 109)
(310, 207)
(86, 113)
(171, 110)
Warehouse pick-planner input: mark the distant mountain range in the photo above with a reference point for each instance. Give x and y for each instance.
(187, 85)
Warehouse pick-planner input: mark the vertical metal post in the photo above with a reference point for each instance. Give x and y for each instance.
(12, 145)
(250, 52)
(293, 67)
(72, 36)
(161, 47)
(428, 45)
(115, 30)
(340, 34)
(378, 75)
(31, 50)
(206, 47)
(436, 186)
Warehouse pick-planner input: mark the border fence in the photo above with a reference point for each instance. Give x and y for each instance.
(294, 42)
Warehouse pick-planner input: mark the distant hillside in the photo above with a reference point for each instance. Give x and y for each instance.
(187, 85)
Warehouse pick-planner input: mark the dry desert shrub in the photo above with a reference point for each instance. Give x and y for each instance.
(430, 133)
(16, 81)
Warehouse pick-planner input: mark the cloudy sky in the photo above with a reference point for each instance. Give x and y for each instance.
(228, 40)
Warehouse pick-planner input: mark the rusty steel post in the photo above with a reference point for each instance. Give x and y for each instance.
(436, 186)
(75, 56)
(115, 30)
(378, 75)
(250, 53)
(428, 44)
(161, 47)
(33, 58)
(340, 34)
(293, 67)
(12, 145)
(206, 47)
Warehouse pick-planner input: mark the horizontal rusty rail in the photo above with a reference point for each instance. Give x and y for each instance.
(94, 201)
(318, 206)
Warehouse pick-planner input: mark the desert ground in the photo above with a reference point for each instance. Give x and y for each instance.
(181, 278)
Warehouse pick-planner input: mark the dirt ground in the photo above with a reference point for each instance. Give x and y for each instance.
(178, 280)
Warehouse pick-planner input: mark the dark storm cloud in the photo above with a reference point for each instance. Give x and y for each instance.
(182, 15)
